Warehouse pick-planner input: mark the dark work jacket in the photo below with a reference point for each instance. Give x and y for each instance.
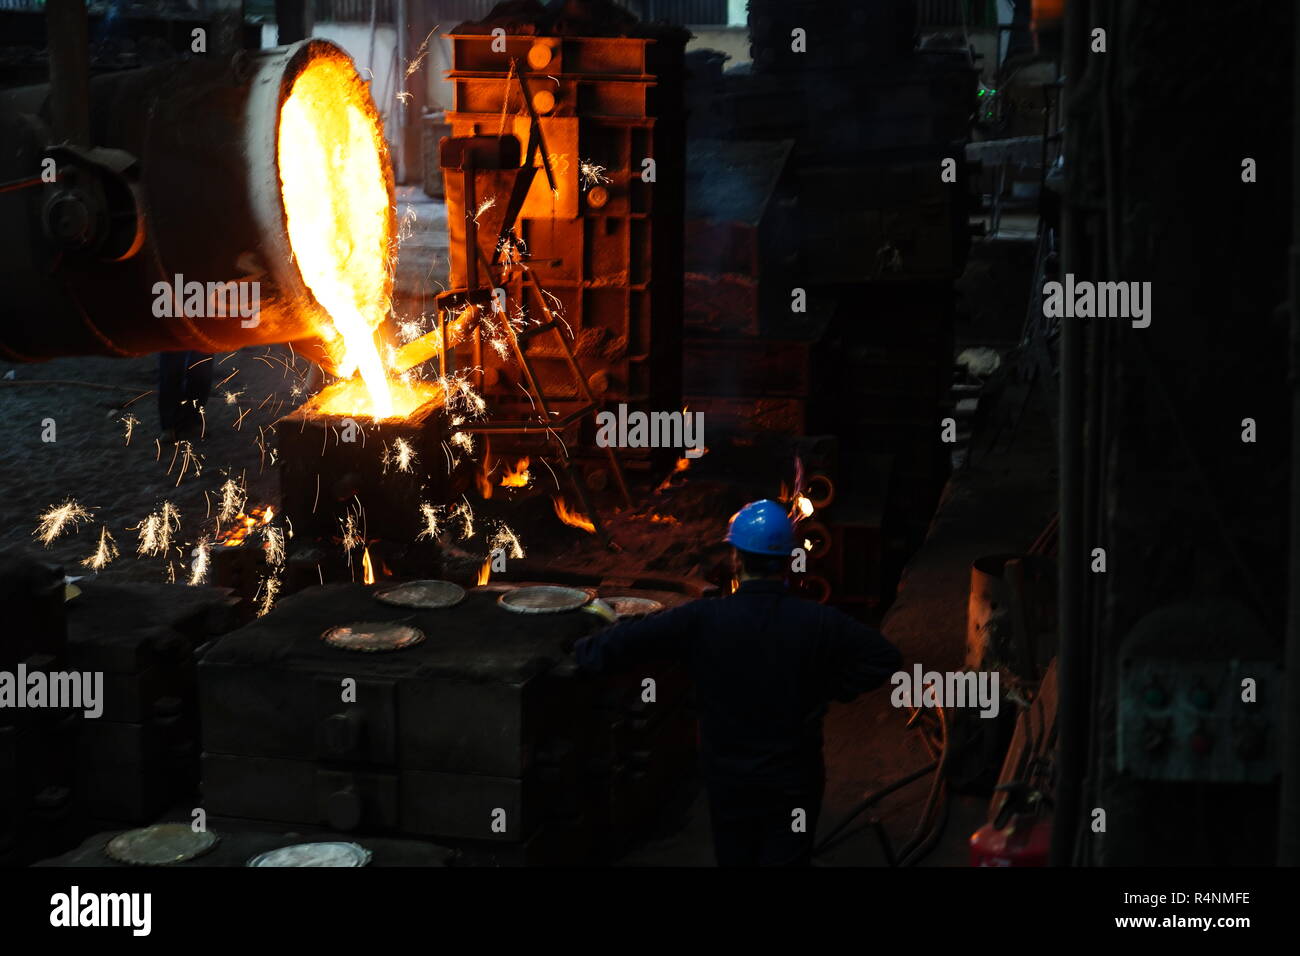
(765, 665)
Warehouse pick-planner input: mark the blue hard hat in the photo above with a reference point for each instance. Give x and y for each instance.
(761, 527)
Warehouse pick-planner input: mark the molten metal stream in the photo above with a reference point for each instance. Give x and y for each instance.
(336, 203)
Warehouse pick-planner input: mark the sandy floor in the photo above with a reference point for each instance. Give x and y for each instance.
(120, 483)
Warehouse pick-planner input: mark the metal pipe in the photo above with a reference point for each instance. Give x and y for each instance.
(402, 111)
(1072, 660)
(1288, 843)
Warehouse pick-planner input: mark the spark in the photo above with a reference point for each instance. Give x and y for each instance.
(408, 330)
(270, 588)
(232, 397)
(199, 567)
(430, 515)
(406, 228)
(466, 515)
(233, 498)
(105, 553)
(420, 54)
(506, 540)
(400, 457)
(484, 206)
(156, 530)
(129, 422)
(404, 97)
(591, 173)
(274, 546)
(463, 440)
(351, 538)
(188, 458)
(53, 521)
(460, 395)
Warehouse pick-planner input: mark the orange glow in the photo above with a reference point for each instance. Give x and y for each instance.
(367, 569)
(574, 519)
(484, 573)
(243, 524)
(682, 465)
(483, 477)
(338, 213)
(351, 397)
(518, 476)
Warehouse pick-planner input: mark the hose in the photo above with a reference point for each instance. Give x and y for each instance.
(927, 833)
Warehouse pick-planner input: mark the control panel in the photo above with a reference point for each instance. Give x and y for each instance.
(1198, 697)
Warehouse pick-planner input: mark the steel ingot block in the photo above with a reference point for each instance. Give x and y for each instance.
(338, 467)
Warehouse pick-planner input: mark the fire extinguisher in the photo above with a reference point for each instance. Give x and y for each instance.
(1020, 835)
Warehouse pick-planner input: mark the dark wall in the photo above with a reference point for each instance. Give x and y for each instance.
(1186, 510)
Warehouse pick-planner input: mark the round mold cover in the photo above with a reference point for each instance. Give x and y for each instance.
(314, 854)
(544, 599)
(373, 637)
(160, 844)
(632, 606)
(422, 594)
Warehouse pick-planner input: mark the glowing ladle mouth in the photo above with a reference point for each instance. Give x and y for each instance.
(334, 184)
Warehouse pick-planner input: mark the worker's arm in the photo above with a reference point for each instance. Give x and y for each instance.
(859, 657)
(657, 636)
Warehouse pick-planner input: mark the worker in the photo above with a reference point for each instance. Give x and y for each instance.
(765, 664)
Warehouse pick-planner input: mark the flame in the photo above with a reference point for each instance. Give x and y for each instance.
(244, 525)
(681, 466)
(483, 479)
(574, 519)
(517, 477)
(484, 573)
(338, 213)
(802, 507)
(367, 569)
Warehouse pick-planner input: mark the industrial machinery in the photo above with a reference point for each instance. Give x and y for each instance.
(109, 249)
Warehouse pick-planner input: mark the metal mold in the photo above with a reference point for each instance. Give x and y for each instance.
(422, 594)
(160, 845)
(544, 599)
(314, 854)
(373, 638)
